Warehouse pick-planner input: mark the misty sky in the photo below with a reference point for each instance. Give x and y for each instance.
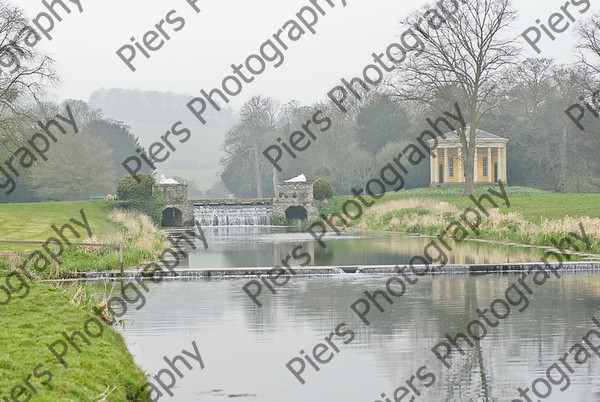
(225, 32)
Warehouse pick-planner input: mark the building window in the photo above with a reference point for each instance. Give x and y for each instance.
(486, 166)
(451, 166)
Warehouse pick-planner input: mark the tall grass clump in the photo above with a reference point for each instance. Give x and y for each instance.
(141, 240)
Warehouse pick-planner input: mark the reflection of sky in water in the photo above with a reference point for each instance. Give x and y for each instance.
(245, 348)
(266, 246)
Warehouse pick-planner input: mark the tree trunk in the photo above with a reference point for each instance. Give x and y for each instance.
(469, 160)
(259, 193)
(471, 146)
(275, 182)
(563, 160)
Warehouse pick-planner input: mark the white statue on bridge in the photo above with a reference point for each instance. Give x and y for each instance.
(165, 180)
(298, 179)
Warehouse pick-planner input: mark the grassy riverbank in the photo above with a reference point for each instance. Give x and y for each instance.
(102, 369)
(534, 217)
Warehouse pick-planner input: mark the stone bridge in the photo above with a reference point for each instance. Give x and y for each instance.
(295, 201)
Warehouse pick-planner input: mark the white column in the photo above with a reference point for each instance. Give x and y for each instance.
(489, 172)
(499, 155)
(460, 166)
(475, 170)
(446, 170)
(432, 168)
(436, 170)
(504, 170)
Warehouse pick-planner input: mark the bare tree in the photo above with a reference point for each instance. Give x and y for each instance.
(288, 118)
(245, 142)
(589, 40)
(24, 71)
(258, 116)
(530, 85)
(461, 60)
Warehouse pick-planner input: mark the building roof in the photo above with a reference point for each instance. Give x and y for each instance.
(452, 136)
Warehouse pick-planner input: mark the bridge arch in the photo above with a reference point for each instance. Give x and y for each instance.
(296, 212)
(172, 218)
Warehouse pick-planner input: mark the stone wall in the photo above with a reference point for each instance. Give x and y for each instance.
(280, 207)
(295, 194)
(173, 192)
(301, 192)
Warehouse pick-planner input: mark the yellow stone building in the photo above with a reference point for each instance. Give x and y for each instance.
(447, 166)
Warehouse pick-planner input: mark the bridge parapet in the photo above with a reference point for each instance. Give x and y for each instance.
(232, 201)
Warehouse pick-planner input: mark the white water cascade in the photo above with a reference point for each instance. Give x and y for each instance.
(234, 215)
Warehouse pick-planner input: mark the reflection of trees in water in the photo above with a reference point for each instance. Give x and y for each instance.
(257, 252)
(324, 256)
(467, 252)
(266, 247)
(470, 370)
(400, 338)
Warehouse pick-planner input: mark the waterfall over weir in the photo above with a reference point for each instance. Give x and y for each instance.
(234, 215)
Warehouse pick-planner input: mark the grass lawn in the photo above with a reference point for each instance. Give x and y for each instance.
(33, 222)
(29, 325)
(532, 204)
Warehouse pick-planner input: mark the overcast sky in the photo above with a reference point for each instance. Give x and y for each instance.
(227, 31)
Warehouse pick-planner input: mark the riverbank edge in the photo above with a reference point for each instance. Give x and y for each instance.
(104, 370)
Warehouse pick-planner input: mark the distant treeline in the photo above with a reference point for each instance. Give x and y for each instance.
(80, 165)
(546, 150)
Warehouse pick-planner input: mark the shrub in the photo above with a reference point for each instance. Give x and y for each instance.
(322, 189)
(137, 196)
(130, 189)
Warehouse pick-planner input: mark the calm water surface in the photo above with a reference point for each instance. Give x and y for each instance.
(260, 246)
(245, 348)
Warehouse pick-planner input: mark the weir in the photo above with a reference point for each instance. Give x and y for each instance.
(234, 215)
(386, 271)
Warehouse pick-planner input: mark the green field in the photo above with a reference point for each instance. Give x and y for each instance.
(38, 313)
(33, 222)
(532, 204)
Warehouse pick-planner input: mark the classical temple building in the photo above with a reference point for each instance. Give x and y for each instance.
(447, 167)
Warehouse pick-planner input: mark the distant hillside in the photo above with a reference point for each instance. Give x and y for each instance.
(197, 160)
(150, 114)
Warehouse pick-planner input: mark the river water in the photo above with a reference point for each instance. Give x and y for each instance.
(263, 246)
(245, 348)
